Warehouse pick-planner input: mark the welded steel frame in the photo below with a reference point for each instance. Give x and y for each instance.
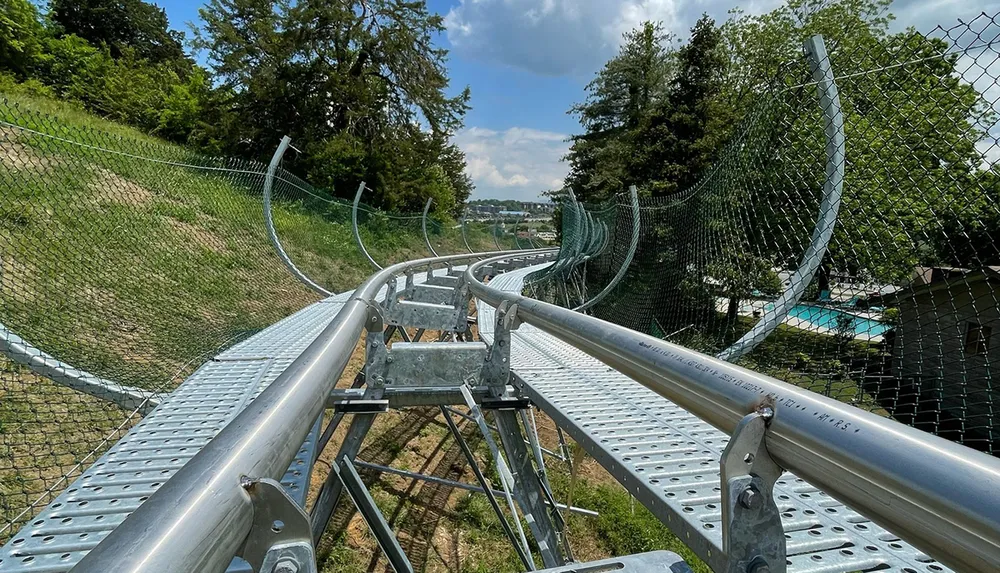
(200, 517)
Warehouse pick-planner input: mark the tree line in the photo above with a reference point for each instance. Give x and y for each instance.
(663, 116)
(723, 136)
(359, 85)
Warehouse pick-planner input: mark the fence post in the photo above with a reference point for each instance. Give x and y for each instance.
(354, 227)
(269, 220)
(833, 128)
(633, 245)
(423, 224)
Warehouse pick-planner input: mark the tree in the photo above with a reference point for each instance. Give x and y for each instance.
(682, 133)
(914, 190)
(360, 77)
(121, 25)
(618, 101)
(20, 36)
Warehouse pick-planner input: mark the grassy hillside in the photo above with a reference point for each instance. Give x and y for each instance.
(137, 260)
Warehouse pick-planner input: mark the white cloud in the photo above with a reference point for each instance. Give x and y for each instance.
(925, 15)
(573, 37)
(517, 163)
(551, 37)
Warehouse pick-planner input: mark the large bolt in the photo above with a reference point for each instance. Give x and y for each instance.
(749, 498)
(287, 566)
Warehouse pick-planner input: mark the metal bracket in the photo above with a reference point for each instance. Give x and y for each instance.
(752, 537)
(432, 365)
(496, 368)
(505, 403)
(362, 406)
(280, 540)
(461, 301)
(391, 297)
(376, 350)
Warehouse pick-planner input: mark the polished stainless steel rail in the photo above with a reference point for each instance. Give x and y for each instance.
(942, 497)
(201, 516)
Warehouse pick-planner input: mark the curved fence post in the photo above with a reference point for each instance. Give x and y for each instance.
(423, 224)
(269, 220)
(357, 232)
(633, 245)
(23, 352)
(465, 239)
(496, 227)
(833, 127)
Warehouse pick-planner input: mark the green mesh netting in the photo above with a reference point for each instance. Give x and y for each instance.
(900, 315)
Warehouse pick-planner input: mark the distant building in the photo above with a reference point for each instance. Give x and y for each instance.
(945, 349)
(547, 236)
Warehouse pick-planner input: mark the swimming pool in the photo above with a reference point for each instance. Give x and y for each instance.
(834, 319)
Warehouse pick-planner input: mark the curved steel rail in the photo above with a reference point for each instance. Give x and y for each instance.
(272, 168)
(201, 516)
(833, 128)
(633, 245)
(942, 497)
(423, 224)
(357, 232)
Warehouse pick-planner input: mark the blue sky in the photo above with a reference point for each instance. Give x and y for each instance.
(527, 62)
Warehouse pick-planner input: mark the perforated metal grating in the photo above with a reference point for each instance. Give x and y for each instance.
(124, 477)
(669, 459)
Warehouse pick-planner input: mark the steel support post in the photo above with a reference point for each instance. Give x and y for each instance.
(375, 357)
(528, 490)
(506, 477)
(351, 481)
(488, 490)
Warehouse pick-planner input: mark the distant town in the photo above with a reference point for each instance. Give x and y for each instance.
(508, 210)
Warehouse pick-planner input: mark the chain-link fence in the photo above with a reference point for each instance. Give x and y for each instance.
(848, 243)
(126, 263)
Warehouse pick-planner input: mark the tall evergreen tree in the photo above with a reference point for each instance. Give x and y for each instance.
(358, 84)
(618, 101)
(121, 25)
(681, 134)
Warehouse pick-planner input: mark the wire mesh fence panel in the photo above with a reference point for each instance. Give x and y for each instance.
(895, 307)
(125, 265)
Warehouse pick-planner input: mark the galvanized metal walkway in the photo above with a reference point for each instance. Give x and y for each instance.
(131, 470)
(669, 459)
